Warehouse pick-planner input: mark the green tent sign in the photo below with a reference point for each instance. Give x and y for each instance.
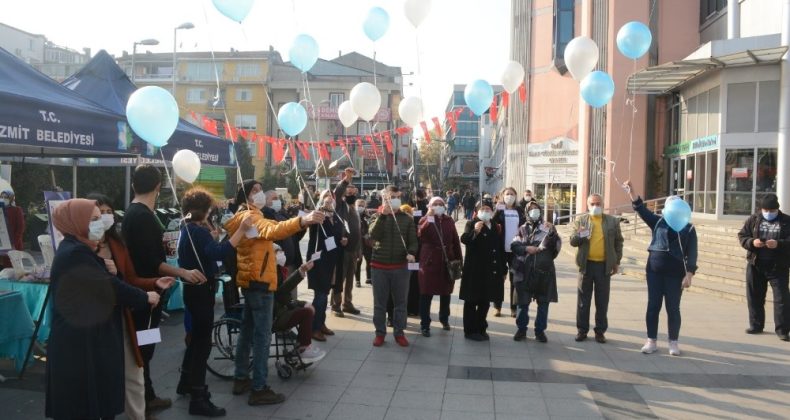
(699, 145)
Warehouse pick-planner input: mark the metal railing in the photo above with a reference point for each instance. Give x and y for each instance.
(654, 204)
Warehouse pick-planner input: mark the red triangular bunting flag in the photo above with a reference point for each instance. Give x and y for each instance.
(388, 141)
(451, 119)
(505, 99)
(292, 149)
(493, 111)
(437, 126)
(261, 148)
(425, 132)
(278, 150)
(402, 130)
(522, 92)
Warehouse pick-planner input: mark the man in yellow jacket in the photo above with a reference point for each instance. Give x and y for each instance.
(257, 277)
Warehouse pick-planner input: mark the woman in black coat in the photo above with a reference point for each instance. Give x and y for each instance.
(85, 366)
(484, 268)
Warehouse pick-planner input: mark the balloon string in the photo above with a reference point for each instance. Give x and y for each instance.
(633, 118)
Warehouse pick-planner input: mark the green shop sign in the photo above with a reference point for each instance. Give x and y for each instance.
(699, 145)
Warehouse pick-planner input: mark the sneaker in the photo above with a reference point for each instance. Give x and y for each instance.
(498, 313)
(650, 346)
(600, 338)
(327, 331)
(674, 350)
(311, 354)
(359, 285)
(446, 326)
(425, 332)
(401, 340)
(580, 336)
(753, 330)
(319, 336)
(378, 341)
(337, 312)
(541, 337)
(158, 404)
(265, 397)
(241, 386)
(368, 281)
(351, 310)
(520, 335)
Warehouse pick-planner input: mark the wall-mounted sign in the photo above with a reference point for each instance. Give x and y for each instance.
(699, 145)
(740, 172)
(560, 150)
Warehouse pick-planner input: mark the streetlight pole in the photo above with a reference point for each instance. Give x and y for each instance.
(185, 25)
(149, 41)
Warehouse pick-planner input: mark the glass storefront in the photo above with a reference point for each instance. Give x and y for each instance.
(694, 178)
(749, 174)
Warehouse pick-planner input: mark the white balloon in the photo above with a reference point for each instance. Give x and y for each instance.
(186, 165)
(410, 111)
(581, 56)
(417, 11)
(346, 114)
(365, 100)
(513, 76)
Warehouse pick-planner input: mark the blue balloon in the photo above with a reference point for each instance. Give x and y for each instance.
(479, 95)
(234, 9)
(376, 24)
(634, 39)
(153, 114)
(677, 213)
(303, 52)
(292, 118)
(597, 89)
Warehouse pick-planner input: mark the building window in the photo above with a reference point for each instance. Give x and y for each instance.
(563, 31)
(335, 99)
(738, 181)
(253, 148)
(30, 46)
(248, 69)
(243, 95)
(741, 103)
(768, 107)
(203, 71)
(710, 8)
(246, 121)
(196, 96)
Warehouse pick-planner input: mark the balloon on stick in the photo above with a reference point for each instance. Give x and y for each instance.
(634, 39)
(365, 100)
(236, 10)
(376, 23)
(513, 76)
(292, 118)
(479, 95)
(677, 213)
(417, 11)
(153, 114)
(186, 165)
(346, 114)
(581, 56)
(410, 111)
(597, 89)
(304, 52)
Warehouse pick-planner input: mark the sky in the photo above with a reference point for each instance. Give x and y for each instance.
(460, 41)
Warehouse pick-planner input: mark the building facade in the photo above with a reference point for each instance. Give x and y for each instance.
(55, 61)
(493, 137)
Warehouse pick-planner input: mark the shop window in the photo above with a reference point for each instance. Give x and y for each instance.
(738, 181)
(711, 178)
(768, 109)
(741, 101)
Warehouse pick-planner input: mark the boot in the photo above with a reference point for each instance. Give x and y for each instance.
(201, 404)
(183, 383)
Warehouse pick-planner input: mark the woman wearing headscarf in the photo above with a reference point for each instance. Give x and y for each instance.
(439, 244)
(85, 363)
(484, 268)
(510, 216)
(535, 248)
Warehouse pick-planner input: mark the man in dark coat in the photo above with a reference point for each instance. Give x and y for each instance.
(346, 196)
(484, 267)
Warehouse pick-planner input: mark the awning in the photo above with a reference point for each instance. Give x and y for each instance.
(669, 76)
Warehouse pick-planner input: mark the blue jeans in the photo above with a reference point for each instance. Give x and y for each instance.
(660, 289)
(256, 332)
(541, 320)
(319, 303)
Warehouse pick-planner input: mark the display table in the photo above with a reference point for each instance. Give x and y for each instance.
(16, 328)
(33, 295)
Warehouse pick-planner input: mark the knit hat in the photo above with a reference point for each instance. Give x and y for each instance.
(244, 191)
(488, 202)
(434, 200)
(770, 202)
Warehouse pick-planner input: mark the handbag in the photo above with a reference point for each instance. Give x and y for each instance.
(454, 267)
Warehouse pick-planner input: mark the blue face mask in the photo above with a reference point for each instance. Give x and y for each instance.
(770, 215)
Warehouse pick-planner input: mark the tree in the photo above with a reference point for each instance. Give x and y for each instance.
(430, 156)
(244, 158)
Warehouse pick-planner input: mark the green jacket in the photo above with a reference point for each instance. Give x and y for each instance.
(388, 248)
(612, 238)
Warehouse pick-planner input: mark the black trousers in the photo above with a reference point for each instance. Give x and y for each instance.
(425, 310)
(199, 301)
(147, 351)
(475, 314)
(758, 276)
(595, 281)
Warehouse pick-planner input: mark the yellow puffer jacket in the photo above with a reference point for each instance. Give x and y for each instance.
(255, 256)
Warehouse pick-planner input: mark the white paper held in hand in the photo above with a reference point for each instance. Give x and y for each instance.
(302, 213)
(316, 256)
(150, 336)
(330, 244)
(500, 206)
(415, 266)
(252, 232)
(431, 219)
(417, 213)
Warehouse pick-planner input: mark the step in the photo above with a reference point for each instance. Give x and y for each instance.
(704, 257)
(732, 248)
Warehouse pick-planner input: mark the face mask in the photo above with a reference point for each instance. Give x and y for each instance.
(395, 203)
(770, 215)
(277, 205)
(108, 221)
(6, 202)
(259, 199)
(438, 210)
(534, 214)
(527, 198)
(596, 210)
(96, 230)
(485, 216)
(360, 210)
(510, 199)
(280, 256)
(351, 200)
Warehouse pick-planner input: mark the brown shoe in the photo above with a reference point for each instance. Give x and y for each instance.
(327, 331)
(265, 397)
(319, 336)
(157, 404)
(599, 337)
(242, 386)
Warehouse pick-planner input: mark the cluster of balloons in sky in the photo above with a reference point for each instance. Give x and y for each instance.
(581, 57)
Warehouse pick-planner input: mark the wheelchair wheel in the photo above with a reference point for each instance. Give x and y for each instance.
(284, 371)
(223, 348)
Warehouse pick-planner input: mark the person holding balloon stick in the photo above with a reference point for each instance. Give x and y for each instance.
(671, 264)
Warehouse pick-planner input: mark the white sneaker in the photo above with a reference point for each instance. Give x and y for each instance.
(312, 354)
(650, 346)
(674, 350)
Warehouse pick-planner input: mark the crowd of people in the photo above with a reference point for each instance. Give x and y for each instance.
(106, 282)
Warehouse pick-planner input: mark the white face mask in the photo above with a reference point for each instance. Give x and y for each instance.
(259, 199)
(277, 205)
(510, 199)
(596, 210)
(395, 203)
(360, 210)
(534, 214)
(6, 202)
(108, 221)
(485, 215)
(438, 210)
(96, 230)
(527, 198)
(280, 256)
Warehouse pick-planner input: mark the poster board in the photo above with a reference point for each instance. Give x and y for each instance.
(5, 238)
(53, 200)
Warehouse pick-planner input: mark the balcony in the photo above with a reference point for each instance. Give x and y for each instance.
(154, 77)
